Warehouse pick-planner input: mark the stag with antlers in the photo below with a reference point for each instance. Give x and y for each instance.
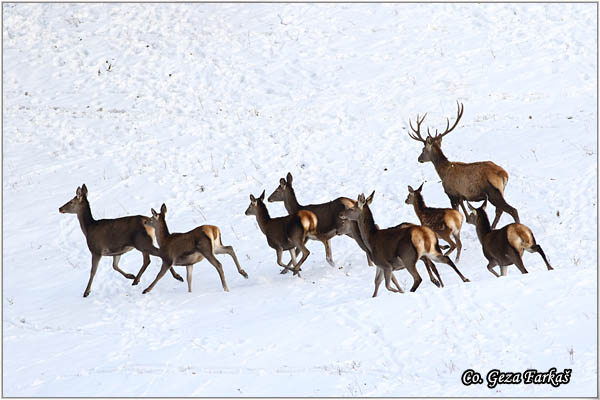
(464, 181)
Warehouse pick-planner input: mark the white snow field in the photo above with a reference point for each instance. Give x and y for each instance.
(199, 105)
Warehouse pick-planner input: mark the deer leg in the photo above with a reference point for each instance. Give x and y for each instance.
(396, 284)
(188, 270)
(163, 270)
(501, 205)
(95, 260)
(286, 268)
(144, 244)
(458, 245)
(447, 260)
(446, 237)
(210, 256)
(293, 261)
(431, 267)
(490, 268)
(143, 269)
(378, 279)
(119, 270)
(538, 248)
(412, 269)
(387, 274)
(462, 205)
(519, 263)
(503, 270)
(327, 243)
(305, 254)
(229, 250)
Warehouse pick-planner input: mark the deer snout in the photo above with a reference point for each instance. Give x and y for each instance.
(60, 210)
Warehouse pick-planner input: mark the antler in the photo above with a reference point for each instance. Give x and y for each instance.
(417, 136)
(448, 129)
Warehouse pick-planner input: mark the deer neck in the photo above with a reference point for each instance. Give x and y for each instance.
(419, 206)
(262, 217)
(483, 227)
(290, 202)
(367, 228)
(162, 232)
(440, 162)
(85, 217)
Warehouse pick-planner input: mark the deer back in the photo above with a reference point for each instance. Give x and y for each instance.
(473, 181)
(111, 236)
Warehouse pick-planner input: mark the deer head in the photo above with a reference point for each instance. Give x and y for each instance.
(156, 217)
(284, 186)
(76, 203)
(412, 194)
(477, 214)
(354, 213)
(432, 144)
(254, 202)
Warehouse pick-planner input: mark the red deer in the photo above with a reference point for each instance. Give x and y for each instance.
(503, 246)
(398, 247)
(112, 237)
(189, 248)
(443, 221)
(327, 214)
(284, 233)
(464, 181)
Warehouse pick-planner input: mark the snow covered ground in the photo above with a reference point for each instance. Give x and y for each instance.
(199, 105)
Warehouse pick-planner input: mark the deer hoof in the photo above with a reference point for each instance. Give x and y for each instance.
(244, 274)
(135, 282)
(146, 290)
(86, 293)
(284, 271)
(179, 278)
(466, 280)
(436, 283)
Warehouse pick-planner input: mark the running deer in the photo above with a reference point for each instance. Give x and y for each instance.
(284, 233)
(189, 248)
(464, 181)
(443, 221)
(112, 237)
(329, 225)
(398, 247)
(503, 246)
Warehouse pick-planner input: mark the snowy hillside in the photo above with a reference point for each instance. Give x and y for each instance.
(199, 105)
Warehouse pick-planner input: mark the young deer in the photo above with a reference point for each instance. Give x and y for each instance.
(464, 181)
(443, 221)
(503, 246)
(284, 233)
(189, 248)
(329, 225)
(112, 237)
(396, 248)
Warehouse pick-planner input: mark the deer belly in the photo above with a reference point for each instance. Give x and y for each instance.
(189, 258)
(116, 251)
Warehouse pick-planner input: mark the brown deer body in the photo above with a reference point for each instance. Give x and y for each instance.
(284, 233)
(464, 181)
(112, 237)
(398, 247)
(505, 246)
(443, 221)
(189, 248)
(329, 223)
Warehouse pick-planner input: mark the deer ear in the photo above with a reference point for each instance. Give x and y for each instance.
(289, 178)
(163, 209)
(282, 182)
(410, 189)
(252, 198)
(370, 198)
(154, 213)
(78, 192)
(84, 191)
(262, 196)
(420, 187)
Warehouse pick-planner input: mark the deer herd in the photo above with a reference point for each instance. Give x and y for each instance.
(390, 249)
